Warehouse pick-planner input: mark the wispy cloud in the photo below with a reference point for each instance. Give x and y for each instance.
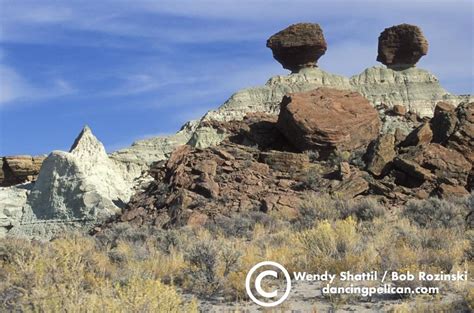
(16, 88)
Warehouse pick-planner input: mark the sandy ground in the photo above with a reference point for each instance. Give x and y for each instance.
(306, 297)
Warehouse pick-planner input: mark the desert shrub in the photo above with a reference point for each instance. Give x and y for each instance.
(313, 177)
(323, 207)
(335, 246)
(240, 225)
(470, 239)
(316, 207)
(336, 157)
(170, 239)
(230, 257)
(202, 277)
(313, 155)
(435, 212)
(434, 305)
(125, 232)
(367, 210)
(59, 275)
(141, 295)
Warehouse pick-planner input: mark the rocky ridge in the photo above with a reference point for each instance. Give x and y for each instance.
(80, 188)
(256, 169)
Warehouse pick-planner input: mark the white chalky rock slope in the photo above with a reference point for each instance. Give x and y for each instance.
(80, 184)
(80, 187)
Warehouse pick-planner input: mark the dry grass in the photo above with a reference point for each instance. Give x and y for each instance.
(127, 269)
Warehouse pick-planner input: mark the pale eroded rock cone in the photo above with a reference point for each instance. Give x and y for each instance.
(74, 189)
(87, 168)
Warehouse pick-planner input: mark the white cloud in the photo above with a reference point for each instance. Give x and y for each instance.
(15, 88)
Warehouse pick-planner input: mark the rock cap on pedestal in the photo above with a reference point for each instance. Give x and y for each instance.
(401, 46)
(298, 46)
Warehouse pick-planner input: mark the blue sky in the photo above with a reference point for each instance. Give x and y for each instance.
(135, 69)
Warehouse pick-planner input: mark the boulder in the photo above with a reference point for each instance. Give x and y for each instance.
(298, 46)
(422, 135)
(351, 186)
(285, 161)
(446, 191)
(401, 46)
(443, 122)
(381, 155)
(328, 119)
(399, 110)
(462, 139)
(433, 162)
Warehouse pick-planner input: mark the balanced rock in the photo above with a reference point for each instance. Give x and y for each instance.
(401, 46)
(298, 46)
(328, 119)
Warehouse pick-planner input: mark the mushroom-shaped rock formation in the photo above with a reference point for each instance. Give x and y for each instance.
(401, 46)
(298, 46)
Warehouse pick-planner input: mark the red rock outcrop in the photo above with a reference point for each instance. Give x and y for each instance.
(19, 169)
(298, 46)
(328, 119)
(215, 181)
(401, 46)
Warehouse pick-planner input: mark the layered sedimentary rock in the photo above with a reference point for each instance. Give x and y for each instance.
(298, 46)
(401, 46)
(416, 89)
(144, 152)
(328, 119)
(19, 169)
